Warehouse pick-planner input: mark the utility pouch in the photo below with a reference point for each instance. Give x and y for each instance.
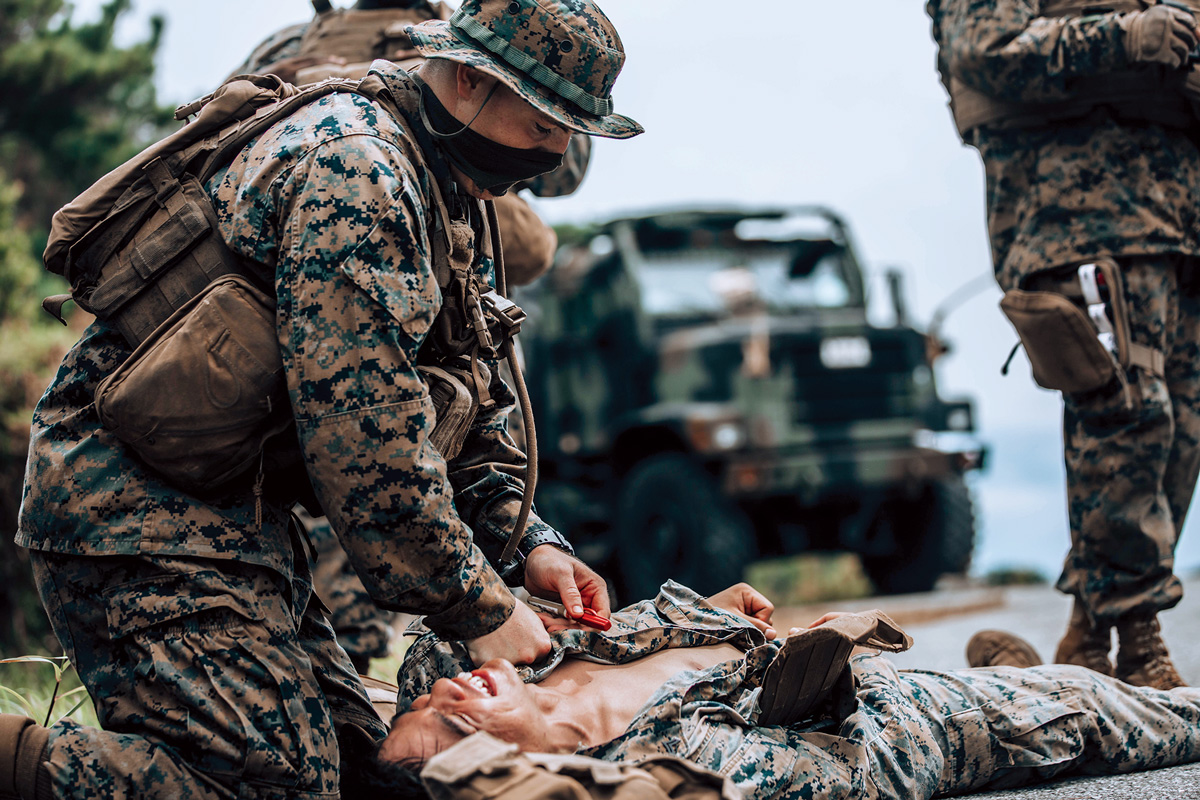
(201, 396)
(454, 403)
(157, 250)
(1060, 341)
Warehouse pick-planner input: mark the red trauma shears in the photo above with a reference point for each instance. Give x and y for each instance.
(589, 618)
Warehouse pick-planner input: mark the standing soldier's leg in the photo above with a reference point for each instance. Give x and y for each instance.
(1117, 446)
(1183, 382)
(337, 676)
(201, 683)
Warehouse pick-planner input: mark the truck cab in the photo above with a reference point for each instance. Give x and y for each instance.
(709, 391)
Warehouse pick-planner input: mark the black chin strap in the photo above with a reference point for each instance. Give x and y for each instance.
(429, 125)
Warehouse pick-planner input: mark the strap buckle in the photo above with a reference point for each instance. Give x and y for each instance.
(504, 311)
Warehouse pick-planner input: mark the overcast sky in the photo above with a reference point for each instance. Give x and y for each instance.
(801, 102)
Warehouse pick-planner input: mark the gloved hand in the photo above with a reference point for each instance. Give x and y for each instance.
(1160, 34)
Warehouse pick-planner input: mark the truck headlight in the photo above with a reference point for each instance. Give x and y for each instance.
(716, 435)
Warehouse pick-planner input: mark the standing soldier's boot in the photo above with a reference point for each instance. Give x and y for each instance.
(1085, 644)
(22, 751)
(1142, 657)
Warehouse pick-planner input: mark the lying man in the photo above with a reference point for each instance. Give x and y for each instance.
(695, 678)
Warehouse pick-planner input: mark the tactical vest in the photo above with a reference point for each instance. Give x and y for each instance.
(141, 248)
(360, 36)
(1149, 93)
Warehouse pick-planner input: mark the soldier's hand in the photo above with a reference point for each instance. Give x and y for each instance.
(522, 639)
(1160, 34)
(550, 573)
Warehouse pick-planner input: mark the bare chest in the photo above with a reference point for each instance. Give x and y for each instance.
(604, 698)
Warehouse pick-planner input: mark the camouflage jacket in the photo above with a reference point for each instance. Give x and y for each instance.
(1071, 191)
(334, 204)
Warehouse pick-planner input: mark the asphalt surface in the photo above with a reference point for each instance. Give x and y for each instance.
(942, 622)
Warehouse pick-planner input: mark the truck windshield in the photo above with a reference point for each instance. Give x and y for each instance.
(715, 282)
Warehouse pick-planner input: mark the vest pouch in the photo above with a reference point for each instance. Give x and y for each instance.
(1060, 341)
(198, 400)
(149, 257)
(454, 405)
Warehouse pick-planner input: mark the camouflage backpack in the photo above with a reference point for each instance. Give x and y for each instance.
(359, 36)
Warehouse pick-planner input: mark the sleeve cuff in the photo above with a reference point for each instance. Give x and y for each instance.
(486, 606)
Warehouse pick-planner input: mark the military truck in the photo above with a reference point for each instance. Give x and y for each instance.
(709, 391)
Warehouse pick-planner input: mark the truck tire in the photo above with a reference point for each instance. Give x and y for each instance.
(934, 535)
(672, 522)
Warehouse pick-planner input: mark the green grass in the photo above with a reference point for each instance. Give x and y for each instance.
(46, 689)
(813, 578)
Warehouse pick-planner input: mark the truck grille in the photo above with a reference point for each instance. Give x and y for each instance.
(881, 389)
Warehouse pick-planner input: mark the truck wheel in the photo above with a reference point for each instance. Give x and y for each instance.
(672, 522)
(934, 534)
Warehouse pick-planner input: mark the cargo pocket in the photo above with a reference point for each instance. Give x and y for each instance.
(1001, 746)
(762, 758)
(1037, 732)
(1061, 342)
(215, 680)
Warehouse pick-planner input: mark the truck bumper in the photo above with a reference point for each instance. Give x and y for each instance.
(810, 474)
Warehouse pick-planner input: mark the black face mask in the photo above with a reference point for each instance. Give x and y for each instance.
(493, 166)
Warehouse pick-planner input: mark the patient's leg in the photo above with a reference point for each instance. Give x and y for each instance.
(1004, 726)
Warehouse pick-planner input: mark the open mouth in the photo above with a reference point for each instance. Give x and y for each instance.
(478, 681)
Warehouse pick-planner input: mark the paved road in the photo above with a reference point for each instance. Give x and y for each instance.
(941, 623)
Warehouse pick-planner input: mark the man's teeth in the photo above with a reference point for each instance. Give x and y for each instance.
(476, 681)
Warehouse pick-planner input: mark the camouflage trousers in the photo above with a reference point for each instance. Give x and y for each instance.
(916, 734)
(1002, 727)
(362, 628)
(1132, 466)
(211, 679)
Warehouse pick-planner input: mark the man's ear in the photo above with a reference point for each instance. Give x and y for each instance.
(469, 81)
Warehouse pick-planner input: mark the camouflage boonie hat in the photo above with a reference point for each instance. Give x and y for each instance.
(562, 56)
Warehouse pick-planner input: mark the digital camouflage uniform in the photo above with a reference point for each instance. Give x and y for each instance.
(897, 734)
(362, 628)
(1070, 192)
(189, 621)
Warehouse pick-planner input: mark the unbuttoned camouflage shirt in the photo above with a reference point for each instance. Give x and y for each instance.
(1066, 192)
(334, 203)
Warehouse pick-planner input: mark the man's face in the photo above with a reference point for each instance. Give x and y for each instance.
(492, 698)
(511, 121)
(505, 118)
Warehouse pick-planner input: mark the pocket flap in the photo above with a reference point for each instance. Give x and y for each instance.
(155, 602)
(167, 240)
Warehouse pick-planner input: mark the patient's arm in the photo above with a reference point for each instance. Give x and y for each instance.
(746, 601)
